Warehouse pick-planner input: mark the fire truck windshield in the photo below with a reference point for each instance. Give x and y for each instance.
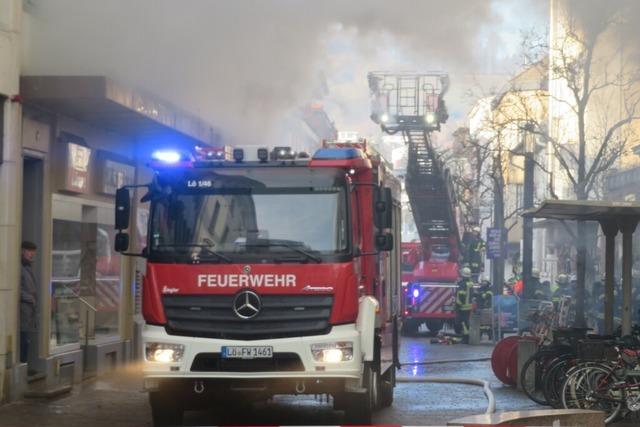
(263, 215)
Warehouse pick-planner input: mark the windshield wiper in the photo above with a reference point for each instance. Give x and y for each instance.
(282, 244)
(205, 247)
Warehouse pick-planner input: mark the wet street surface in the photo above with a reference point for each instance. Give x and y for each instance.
(117, 399)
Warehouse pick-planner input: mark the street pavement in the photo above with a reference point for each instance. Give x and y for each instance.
(117, 399)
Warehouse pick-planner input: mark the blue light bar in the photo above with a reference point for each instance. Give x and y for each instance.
(166, 156)
(337, 154)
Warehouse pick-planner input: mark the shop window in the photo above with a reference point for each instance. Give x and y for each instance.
(85, 279)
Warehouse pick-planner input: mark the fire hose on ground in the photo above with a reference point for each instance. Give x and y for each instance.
(491, 405)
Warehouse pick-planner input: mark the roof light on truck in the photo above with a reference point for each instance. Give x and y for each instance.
(283, 153)
(238, 155)
(167, 156)
(430, 118)
(263, 155)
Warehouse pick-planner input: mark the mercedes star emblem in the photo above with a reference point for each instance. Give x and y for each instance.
(247, 305)
(246, 269)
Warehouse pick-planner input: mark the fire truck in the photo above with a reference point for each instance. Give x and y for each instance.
(413, 104)
(429, 289)
(272, 272)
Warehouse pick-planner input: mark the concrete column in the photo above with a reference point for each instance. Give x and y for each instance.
(610, 230)
(628, 226)
(10, 186)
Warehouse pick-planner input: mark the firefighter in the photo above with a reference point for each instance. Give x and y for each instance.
(560, 288)
(464, 302)
(484, 294)
(476, 248)
(485, 302)
(597, 305)
(539, 291)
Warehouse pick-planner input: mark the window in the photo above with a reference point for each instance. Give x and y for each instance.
(85, 277)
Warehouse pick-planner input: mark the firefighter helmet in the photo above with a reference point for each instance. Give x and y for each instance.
(535, 273)
(562, 279)
(465, 272)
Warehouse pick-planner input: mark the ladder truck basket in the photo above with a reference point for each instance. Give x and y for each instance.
(402, 101)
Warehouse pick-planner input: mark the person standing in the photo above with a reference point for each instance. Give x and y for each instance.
(464, 303)
(28, 299)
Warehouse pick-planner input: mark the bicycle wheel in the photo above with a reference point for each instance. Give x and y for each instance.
(593, 387)
(531, 378)
(554, 377)
(534, 370)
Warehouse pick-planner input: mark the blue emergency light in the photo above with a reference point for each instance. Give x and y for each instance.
(416, 292)
(337, 154)
(167, 156)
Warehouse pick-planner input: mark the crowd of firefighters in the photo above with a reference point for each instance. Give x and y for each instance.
(474, 294)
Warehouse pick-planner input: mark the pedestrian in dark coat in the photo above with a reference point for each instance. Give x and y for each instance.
(28, 300)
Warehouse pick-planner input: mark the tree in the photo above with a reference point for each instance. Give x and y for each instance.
(593, 101)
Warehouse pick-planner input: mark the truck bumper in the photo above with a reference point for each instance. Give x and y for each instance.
(299, 373)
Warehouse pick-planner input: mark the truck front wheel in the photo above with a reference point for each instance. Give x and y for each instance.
(387, 383)
(361, 405)
(166, 410)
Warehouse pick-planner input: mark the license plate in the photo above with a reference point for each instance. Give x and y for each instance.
(247, 352)
(447, 308)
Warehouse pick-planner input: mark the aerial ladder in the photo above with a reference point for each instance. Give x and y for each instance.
(413, 104)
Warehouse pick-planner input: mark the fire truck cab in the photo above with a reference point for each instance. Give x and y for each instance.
(274, 276)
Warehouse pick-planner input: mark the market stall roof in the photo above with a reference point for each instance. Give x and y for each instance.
(587, 210)
(109, 105)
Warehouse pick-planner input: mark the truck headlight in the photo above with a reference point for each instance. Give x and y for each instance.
(164, 353)
(333, 352)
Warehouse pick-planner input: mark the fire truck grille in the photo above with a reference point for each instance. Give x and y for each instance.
(212, 362)
(281, 316)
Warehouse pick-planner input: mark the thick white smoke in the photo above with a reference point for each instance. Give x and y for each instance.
(243, 64)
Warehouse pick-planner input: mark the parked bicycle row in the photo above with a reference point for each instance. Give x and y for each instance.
(578, 370)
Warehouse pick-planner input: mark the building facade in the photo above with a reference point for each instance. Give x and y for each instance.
(68, 142)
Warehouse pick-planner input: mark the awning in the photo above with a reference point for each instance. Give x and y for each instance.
(614, 217)
(104, 103)
(585, 210)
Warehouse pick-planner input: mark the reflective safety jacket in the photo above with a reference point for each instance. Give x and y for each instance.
(464, 294)
(486, 298)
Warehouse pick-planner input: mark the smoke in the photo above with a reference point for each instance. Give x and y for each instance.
(243, 65)
(596, 16)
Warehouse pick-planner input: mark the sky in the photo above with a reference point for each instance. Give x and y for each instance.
(244, 65)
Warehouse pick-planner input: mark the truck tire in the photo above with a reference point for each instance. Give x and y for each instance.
(387, 384)
(435, 325)
(165, 409)
(361, 405)
(410, 327)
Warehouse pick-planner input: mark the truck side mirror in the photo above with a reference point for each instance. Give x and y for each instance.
(383, 207)
(122, 242)
(123, 208)
(384, 242)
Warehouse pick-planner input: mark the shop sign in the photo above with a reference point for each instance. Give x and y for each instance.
(496, 243)
(114, 175)
(77, 175)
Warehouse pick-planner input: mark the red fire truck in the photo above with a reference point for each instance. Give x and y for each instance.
(274, 276)
(428, 289)
(413, 104)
